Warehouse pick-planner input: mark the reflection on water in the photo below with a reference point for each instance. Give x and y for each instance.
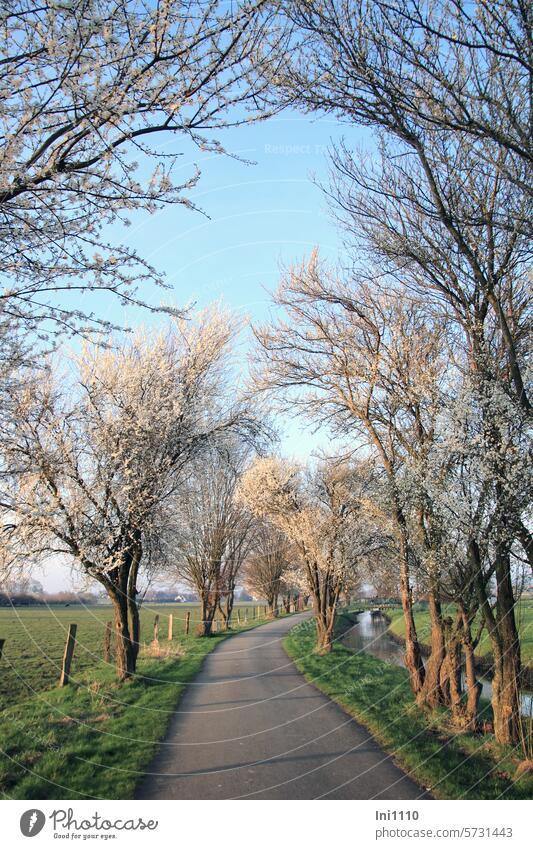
(370, 634)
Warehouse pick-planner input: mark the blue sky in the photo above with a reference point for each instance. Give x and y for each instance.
(261, 216)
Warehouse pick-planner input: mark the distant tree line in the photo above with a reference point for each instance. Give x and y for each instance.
(19, 594)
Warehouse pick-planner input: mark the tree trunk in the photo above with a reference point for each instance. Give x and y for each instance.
(453, 663)
(413, 655)
(224, 614)
(505, 700)
(473, 687)
(507, 724)
(505, 645)
(324, 636)
(226, 608)
(444, 680)
(431, 693)
(230, 601)
(506, 680)
(133, 607)
(124, 655)
(208, 610)
(326, 593)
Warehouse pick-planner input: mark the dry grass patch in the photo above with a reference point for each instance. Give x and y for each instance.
(165, 651)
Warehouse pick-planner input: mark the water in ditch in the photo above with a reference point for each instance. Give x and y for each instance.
(370, 634)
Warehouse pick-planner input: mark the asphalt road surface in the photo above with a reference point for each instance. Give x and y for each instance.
(250, 726)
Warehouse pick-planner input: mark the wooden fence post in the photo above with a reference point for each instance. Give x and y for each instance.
(67, 656)
(170, 623)
(156, 630)
(238, 617)
(258, 612)
(107, 641)
(187, 621)
(2, 643)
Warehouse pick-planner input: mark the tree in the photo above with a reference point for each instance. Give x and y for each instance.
(451, 234)
(90, 87)
(213, 533)
(319, 511)
(480, 491)
(266, 565)
(292, 585)
(367, 366)
(417, 67)
(98, 463)
(456, 187)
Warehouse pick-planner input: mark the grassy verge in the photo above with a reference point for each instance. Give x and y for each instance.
(377, 694)
(93, 738)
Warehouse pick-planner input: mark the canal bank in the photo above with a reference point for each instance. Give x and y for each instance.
(483, 662)
(371, 632)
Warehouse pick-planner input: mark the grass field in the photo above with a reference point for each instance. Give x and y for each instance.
(35, 639)
(452, 766)
(524, 618)
(94, 737)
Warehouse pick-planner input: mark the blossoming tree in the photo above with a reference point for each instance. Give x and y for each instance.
(320, 511)
(99, 462)
(94, 95)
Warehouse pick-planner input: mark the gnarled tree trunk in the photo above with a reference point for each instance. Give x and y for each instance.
(271, 609)
(119, 583)
(326, 591)
(472, 686)
(133, 607)
(324, 634)
(453, 639)
(208, 609)
(431, 693)
(225, 605)
(505, 645)
(124, 655)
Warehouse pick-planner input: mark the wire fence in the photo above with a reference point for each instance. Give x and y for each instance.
(41, 648)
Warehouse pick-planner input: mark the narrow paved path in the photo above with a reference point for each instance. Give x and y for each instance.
(250, 726)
